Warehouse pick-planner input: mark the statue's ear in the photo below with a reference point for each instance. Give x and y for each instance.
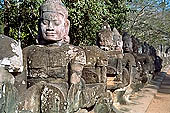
(67, 26)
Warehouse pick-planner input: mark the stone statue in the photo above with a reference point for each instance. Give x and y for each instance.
(94, 74)
(109, 40)
(105, 38)
(53, 69)
(111, 43)
(118, 77)
(57, 80)
(146, 58)
(11, 65)
(157, 60)
(142, 60)
(147, 61)
(130, 64)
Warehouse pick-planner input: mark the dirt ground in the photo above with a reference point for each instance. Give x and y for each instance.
(161, 102)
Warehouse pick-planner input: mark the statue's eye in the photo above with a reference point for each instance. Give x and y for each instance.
(45, 22)
(56, 22)
(118, 43)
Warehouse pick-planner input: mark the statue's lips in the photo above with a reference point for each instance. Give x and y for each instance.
(50, 34)
(126, 48)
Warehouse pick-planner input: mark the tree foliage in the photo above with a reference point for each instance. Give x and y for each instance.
(149, 21)
(20, 18)
(86, 17)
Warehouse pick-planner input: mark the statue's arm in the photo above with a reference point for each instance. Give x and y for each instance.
(21, 80)
(77, 65)
(76, 73)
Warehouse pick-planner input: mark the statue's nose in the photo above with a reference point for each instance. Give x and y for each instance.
(50, 25)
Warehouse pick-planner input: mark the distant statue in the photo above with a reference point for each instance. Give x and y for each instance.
(118, 77)
(142, 60)
(130, 64)
(147, 61)
(111, 43)
(105, 37)
(117, 38)
(127, 43)
(95, 76)
(158, 61)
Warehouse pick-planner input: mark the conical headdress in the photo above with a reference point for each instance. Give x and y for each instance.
(55, 6)
(115, 31)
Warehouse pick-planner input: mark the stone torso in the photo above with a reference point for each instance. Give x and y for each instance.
(50, 62)
(95, 56)
(114, 62)
(96, 62)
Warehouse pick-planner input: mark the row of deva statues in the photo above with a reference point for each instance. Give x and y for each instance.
(56, 77)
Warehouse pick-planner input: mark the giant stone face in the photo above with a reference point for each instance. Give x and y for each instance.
(108, 39)
(127, 43)
(53, 23)
(52, 26)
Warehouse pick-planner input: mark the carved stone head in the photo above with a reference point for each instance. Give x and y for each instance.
(117, 39)
(137, 45)
(145, 48)
(105, 37)
(53, 23)
(127, 43)
(108, 39)
(106, 26)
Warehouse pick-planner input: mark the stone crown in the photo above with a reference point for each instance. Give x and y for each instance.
(55, 6)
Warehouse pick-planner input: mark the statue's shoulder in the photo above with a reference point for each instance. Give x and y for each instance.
(116, 54)
(94, 51)
(7, 39)
(128, 54)
(33, 48)
(68, 48)
(105, 31)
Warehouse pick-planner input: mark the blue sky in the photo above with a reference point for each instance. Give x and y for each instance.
(167, 3)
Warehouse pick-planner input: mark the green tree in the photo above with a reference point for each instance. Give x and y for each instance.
(86, 17)
(1, 18)
(149, 21)
(20, 18)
